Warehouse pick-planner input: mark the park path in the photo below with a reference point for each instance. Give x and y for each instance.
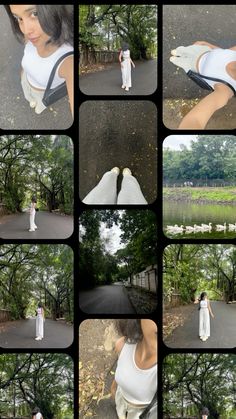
(108, 82)
(50, 226)
(21, 334)
(106, 299)
(222, 329)
(15, 112)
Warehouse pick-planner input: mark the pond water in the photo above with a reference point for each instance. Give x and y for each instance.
(187, 214)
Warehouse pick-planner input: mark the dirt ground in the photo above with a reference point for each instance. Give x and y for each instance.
(174, 317)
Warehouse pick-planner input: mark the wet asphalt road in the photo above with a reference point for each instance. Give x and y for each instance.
(118, 133)
(108, 82)
(106, 299)
(184, 25)
(222, 329)
(15, 112)
(50, 226)
(21, 334)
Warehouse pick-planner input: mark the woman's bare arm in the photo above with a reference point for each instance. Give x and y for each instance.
(210, 310)
(118, 347)
(199, 116)
(120, 57)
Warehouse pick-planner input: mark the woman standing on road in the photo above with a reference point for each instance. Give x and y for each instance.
(47, 32)
(125, 64)
(204, 316)
(135, 385)
(39, 322)
(32, 211)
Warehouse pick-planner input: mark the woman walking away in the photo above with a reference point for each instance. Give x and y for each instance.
(39, 322)
(36, 413)
(135, 385)
(125, 63)
(32, 212)
(204, 316)
(47, 32)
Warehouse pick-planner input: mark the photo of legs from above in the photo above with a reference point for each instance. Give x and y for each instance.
(37, 76)
(199, 72)
(120, 357)
(118, 49)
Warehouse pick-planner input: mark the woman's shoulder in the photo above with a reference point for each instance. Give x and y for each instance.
(120, 344)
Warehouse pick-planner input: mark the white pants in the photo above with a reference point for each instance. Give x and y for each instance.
(186, 57)
(39, 326)
(32, 95)
(105, 192)
(126, 72)
(124, 409)
(204, 322)
(32, 221)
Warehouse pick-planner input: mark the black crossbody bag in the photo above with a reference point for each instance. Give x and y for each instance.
(144, 414)
(198, 79)
(53, 95)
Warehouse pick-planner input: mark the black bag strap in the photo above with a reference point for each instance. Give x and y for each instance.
(218, 80)
(53, 72)
(151, 404)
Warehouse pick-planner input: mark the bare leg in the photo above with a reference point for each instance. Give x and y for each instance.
(199, 116)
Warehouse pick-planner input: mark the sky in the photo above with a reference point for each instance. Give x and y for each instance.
(173, 141)
(111, 237)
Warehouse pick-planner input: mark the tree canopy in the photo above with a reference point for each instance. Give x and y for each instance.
(194, 381)
(106, 26)
(210, 157)
(33, 273)
(40, 165)
(97, 264)
(42, 380)
(191, 269)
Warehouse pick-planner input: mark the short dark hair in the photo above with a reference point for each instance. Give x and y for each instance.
(56, 20)
(125, 46)
(40, 305)
(130, 329)
(35, 411)
(34, 199)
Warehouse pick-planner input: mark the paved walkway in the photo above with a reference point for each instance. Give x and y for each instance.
(21, 334)
(108, 82)
(15, 112)
(50, 226)
(222, 329)
(106, 299)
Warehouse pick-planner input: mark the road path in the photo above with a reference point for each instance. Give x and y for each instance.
(50, 226)
(15, 112)
(21, 334)
(108, 82)
(222, 329)
(106, 299)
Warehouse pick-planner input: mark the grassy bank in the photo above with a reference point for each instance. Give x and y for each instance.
(221, 195)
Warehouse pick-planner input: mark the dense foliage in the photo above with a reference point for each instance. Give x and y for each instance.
(191, 269)
(209, 158)
(106, 26)
(97, 265)
(33, 273)
(42, 380)
(36, 165)
(194, 381)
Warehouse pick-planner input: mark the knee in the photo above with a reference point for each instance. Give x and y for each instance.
(222, 97)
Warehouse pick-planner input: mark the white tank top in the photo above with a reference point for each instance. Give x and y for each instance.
(39, 311)
(203, 303)
(126, 54)
(138, 386)
(38, 416)
(38, 69)
(213, 64)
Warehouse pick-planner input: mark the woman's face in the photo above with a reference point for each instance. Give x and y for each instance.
(27, 18)
(149, 329)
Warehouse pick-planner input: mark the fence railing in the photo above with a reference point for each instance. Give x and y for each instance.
(95, 57)
(5, 315)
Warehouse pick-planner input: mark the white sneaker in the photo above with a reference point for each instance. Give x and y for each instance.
(123, 86)
(115, 170)
(31, 229)
(37, 338)
(33, 104)
(126, 171)
(127, 89)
